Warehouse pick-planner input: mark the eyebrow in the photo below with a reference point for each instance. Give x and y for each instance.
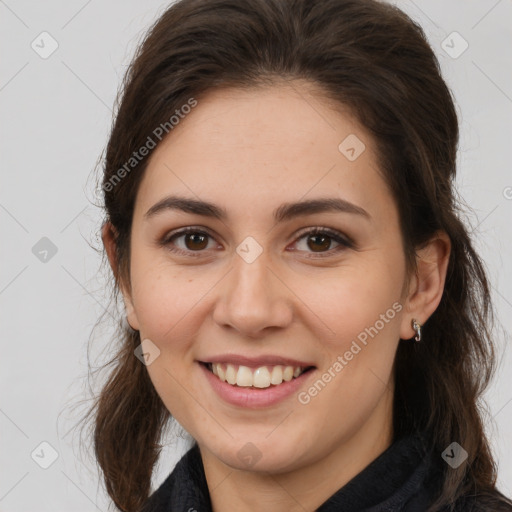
(285, 212)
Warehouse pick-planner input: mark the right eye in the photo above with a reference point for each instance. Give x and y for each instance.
(188, 241)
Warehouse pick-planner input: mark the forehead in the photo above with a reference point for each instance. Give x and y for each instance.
(252, 148)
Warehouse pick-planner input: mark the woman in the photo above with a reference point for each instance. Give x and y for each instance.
(300, 292)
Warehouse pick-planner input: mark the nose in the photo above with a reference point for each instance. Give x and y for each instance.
(253, 299)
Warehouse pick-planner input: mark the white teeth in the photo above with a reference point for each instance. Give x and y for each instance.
(261, 377)
(277, 375)
(244, 376)
(231, 374)
(288, 373)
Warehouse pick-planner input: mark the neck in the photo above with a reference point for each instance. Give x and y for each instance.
(306, 487)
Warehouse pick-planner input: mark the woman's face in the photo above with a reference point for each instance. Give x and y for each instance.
(248, 286)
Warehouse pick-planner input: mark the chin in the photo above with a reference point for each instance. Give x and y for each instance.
(265, 456)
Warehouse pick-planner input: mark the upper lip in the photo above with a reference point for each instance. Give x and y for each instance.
(263, 360)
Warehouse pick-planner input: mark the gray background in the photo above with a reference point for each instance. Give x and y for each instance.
(56, 114)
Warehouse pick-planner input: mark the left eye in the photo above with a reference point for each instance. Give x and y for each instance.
(315, 241)
(321, 240)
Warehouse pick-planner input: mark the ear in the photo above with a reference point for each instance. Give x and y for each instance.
(427, 285)
(109, 236)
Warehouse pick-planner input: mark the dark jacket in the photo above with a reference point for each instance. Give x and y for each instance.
(404, 478)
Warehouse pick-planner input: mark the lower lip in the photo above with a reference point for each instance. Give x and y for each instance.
(254, 398)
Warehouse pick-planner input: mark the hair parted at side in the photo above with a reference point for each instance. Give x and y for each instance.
(368, 56)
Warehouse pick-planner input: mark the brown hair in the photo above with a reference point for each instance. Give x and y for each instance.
(374, 59)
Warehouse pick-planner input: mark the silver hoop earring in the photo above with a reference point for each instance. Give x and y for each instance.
(417, 329)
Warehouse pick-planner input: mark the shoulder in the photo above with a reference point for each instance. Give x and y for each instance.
(491, 501)
(184, 489)
(476, 500)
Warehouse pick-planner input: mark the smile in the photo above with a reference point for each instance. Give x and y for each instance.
(260, 377)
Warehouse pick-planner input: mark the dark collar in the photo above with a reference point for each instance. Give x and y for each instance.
(400, 479)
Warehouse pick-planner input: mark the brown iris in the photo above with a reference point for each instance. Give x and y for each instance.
(323, 240)
(196, 241)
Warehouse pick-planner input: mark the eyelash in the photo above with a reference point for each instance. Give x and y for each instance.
(345, 242)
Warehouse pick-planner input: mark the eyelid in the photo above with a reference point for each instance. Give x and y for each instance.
(166, 239)
(343, 240)
(333, 233)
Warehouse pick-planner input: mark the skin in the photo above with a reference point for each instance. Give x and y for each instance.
(249, 151)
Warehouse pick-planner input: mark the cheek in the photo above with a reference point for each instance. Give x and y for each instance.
(361, 312)
(166, 298)
(350, 300)
(358, 366)
(168, 306)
